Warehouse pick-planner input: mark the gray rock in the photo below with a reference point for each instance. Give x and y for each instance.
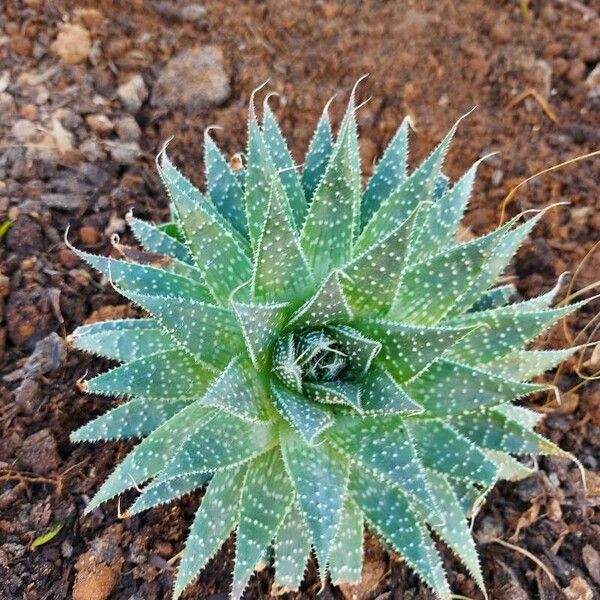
(133, 93)
(193, 79)
(128, 129)
(64, 201)
(24, 131)
(39, 452)
(192, 12)
(124, 153)
(49, 354)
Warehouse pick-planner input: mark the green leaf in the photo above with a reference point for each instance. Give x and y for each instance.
(261, 325)
(320, 479)
(359, 349)
(165, 375)
(418, 187)
(40, 540)
(382, 395)
(345, 560)
(381, 444)
(135, 418)
(407, 350)
(428, 290)
(447, 387)
(335, 392)
(259, 180)
(318, 155)
(210, 333)
(223, 187)
(266, 498)
(292, 548)
(223, 442)
(330, 225)
(164, 491)
(122, 339)
(284, 164)
(504, 330)
(495, 431)
(494, 298)
(495, 264)
(220, 253)
(391, 515)
(328, 306)
(454, 529)
(216, 518)
(522, 365)
(372, 278)
(281, 272)
(153, 239)
(307, 418)
(151, 455)
(136, 278)
(389, 173)
(5, 226)
(443, 449)
(239, 390)
(443, 218)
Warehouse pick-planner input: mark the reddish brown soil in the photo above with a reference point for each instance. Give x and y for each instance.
(432, 59)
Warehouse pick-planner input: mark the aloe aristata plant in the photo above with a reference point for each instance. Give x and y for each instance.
(319, 356)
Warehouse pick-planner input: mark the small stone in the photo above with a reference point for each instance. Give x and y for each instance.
(88, 235)
(133, 93)
(49, 354)
(192, 12)
(578, 589)
(7, 103)
(500, 33)
(28, 395)
(4, 285)
(117, 47)
(576, 72)
(124, 153)
(92, 150)
(99, 124)
(67, 259)
(90, 17)
(95, 580)
(73, 44)
(128, 129)
(39, 452)
(29, 111)
(193, 79)
(24, 131)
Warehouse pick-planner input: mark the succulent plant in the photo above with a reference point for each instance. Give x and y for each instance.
(319, 356)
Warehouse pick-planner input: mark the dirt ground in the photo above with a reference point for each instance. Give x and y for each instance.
(84, 107)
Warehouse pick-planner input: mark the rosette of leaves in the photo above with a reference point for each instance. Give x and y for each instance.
(320, 356)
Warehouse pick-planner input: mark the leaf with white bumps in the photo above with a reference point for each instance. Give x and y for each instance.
(443, 449)
(309, 419)
(223, 186)
(330, 225)
(320, 479)
(328, 306)
(381, 394)
(448, 387)
(151, 455)
(388, 174)
(213, 523)
(171, 374)
(390, 513)
(223, 442)
(154, 239)
(239, 390)
(135, 418)
(317, 155)
(155, 494)
(281, 272)
(284, 164)
(122, 339)
(208, 332)
(346, 557)
(292, 548)
(266, 498)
